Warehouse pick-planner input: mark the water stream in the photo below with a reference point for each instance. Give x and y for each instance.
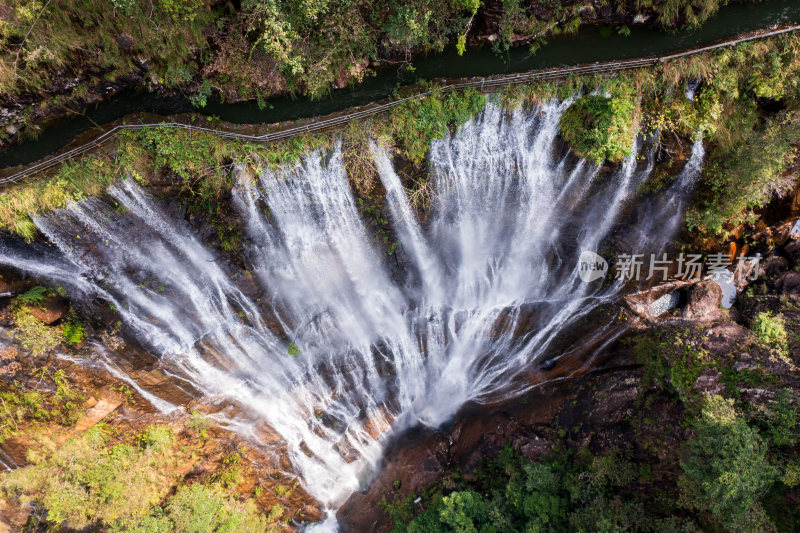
(484, 292)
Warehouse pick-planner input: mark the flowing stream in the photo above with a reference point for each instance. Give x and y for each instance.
(344, 345)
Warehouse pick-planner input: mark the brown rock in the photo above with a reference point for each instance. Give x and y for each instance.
(788, 283)
(641, 302)
(415, 465)
(774, 265)
(50, 311)
(125, 42)
(726, 338)
(608, 401)
(94, 415)
(532, 447)
(704, 301)
(708, 382)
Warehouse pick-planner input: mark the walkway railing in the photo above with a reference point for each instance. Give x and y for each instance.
(325, 123)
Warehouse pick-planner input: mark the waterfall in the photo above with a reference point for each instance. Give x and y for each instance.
(337, 347)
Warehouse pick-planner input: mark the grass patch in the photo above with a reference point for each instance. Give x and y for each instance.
(199, 163)
(39, 39)
(74, 181)
(34, 296)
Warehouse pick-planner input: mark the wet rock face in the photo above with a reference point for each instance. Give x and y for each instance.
(422, 456)
(793, 248)
(598, 412)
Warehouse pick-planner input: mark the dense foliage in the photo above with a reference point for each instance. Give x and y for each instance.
(728, 470)
(414, 124)
(201, 165)
(84, 481)
(747, 109)
(195, 508)
(254, 48)
(745, 105)
(599, 128)
(560, 492)
(102, 480)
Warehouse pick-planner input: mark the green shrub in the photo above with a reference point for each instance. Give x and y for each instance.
(791, 475)
(689, 12)
(181, 10)
(771, 330)
(18, 407)
(671, 359)
(414, 124)
(783, 420)
(727, 471)
(33, 334)
(157, 438)
(745, 177)
(198, 423)
(35, 296)
(74, 332)
(465, 511)
(199, 160)
(598, 128)
(197, 508)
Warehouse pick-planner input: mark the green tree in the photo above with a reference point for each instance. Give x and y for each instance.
(727, 471)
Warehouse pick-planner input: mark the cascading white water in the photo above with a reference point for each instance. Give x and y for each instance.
(488, 286)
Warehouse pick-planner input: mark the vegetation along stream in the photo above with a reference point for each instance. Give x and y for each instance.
(589, 44)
